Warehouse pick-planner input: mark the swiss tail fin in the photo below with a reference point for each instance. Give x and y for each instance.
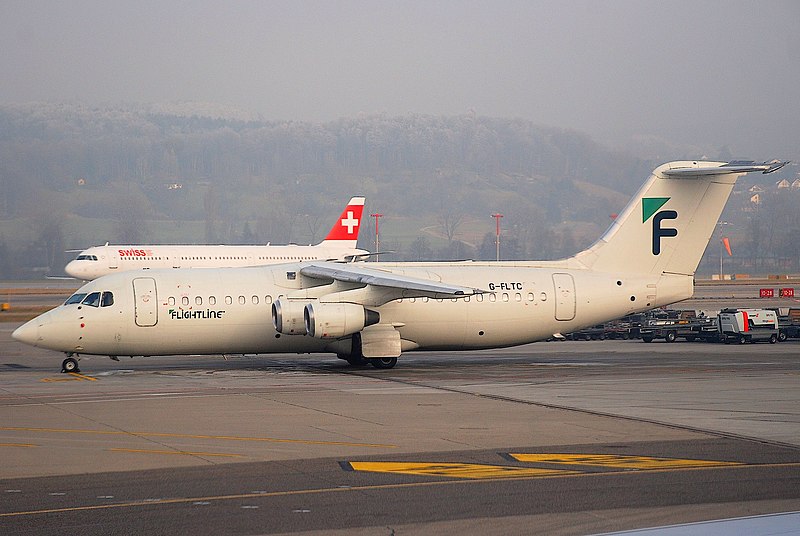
(667, 225)
(344, 233)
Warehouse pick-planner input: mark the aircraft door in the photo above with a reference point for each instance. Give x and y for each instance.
(145, 301)
(565, 296)
(176, 258)
(113, 257)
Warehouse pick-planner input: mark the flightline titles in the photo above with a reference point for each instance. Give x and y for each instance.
(208, 313)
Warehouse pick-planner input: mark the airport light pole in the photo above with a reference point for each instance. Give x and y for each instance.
(497, 217)
(377, 235)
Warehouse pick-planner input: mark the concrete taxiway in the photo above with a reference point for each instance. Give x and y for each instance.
(549, 438)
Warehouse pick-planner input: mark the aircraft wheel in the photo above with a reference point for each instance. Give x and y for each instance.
(70, 364)
(383, 362)
(670, 336)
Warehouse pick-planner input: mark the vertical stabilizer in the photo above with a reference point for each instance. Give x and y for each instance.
(344, 233)
(667, 225)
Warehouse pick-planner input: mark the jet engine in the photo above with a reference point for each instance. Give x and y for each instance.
(287, 316)
(334, 320)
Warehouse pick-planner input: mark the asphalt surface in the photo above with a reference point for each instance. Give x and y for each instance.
(549, 438)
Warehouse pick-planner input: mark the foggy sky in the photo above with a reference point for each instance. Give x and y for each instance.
(693, 73)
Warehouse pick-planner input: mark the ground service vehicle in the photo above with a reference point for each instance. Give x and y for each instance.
(748, 325)
(670, 325)
(788, 323)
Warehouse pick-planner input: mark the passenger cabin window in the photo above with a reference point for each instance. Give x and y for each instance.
(75, 298)
(185, 300)
(228, 300)
(198, 300)
(107, 300)
(212, 300)
(92, 300)
(171, 300)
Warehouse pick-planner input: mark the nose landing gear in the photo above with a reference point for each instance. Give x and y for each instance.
(70, 364)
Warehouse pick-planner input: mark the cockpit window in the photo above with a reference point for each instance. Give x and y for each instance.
(86, 258)
(75, 298)
(92, 300)
(107, 300)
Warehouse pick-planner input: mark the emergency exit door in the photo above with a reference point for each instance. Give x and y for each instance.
(145, 301)
(565, 296)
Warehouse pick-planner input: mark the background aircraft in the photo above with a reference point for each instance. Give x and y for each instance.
(374, 312)
(340, 244)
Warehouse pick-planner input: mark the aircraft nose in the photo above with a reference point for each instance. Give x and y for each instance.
(27, 333)
(71, 269)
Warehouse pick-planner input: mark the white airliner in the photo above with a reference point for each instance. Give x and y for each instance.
(376, 311)
(340, 244)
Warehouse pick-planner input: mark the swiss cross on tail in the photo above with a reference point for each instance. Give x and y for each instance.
(650, 207)
(347, 225)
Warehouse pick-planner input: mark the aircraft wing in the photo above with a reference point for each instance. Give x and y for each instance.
(402, 285)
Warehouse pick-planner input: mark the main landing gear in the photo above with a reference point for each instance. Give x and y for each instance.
(70, 364)
(378, 362)
(383, 362)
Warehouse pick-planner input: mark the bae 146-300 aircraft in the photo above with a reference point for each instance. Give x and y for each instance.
(373, 312)
(339, 245)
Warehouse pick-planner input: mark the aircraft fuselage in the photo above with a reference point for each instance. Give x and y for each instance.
(229, 311)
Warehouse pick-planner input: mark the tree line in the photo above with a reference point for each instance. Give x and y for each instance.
(73, 176)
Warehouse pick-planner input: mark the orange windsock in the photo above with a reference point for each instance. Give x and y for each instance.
(727, 244)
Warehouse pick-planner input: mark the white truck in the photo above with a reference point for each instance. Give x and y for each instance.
(748, 325)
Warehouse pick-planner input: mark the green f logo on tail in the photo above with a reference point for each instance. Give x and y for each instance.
(650, 207)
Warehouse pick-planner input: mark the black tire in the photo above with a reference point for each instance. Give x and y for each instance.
(773, 339)
(625, 336)
(670, 336)
(383, 362)
(782, 336)
(70, 364)
(690, 338)
(742, 339)
(647, 338)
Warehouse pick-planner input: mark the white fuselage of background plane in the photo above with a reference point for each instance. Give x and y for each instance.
(212, 311)
(98, 261)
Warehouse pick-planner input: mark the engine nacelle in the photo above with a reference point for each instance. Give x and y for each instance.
(287, 316)
(334, 320)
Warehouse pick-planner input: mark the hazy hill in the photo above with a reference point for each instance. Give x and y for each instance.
(72, 176)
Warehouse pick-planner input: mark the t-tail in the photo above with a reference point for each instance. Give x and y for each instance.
(666, 227)
(344, 233)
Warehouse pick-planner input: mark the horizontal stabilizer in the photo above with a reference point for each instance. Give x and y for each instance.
(727, 169)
